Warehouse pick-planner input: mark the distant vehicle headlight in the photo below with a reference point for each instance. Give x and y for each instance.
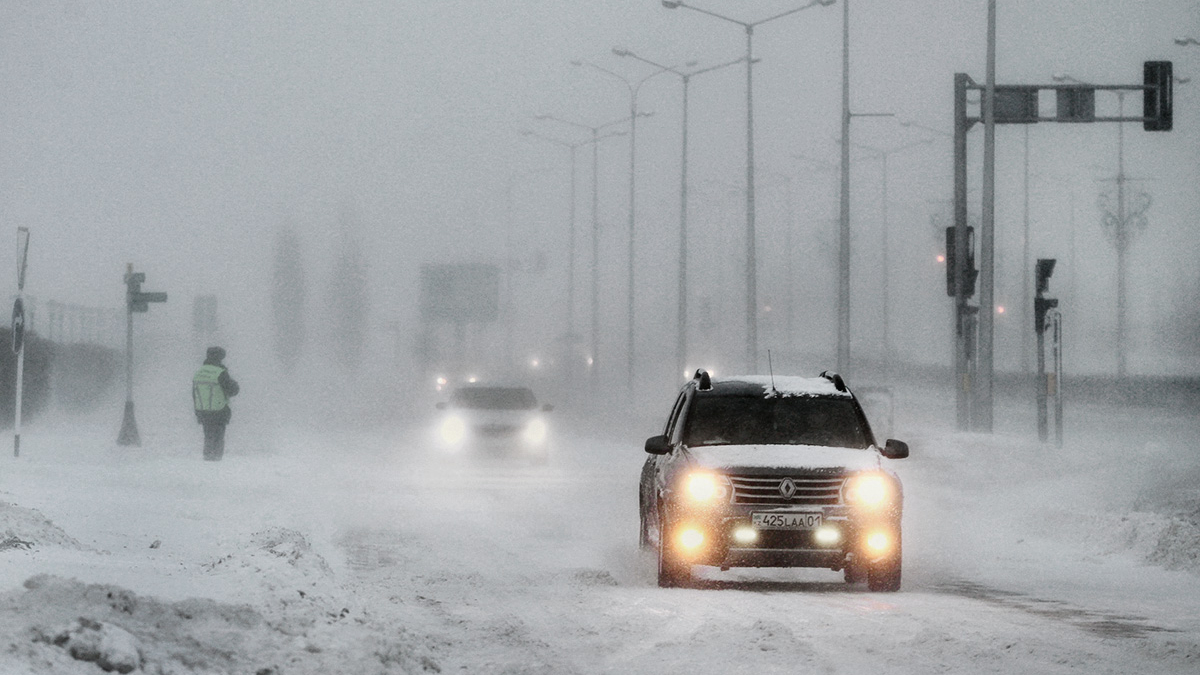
(535, 432)
(453, 430)
(868, 490)
(707, 487)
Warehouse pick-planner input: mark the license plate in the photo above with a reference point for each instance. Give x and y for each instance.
(786, 521)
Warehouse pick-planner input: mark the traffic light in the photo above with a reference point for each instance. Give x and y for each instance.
(1040, 307)
(970, 272)
(1015, 104)
(1076, 105)
(135, 299)
(1042, 273)
(133, 288)
(1158, 95)
(1041, 278)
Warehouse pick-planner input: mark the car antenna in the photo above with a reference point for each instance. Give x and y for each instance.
(771, 369)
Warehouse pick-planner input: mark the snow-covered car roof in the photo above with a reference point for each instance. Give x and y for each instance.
(780, 385)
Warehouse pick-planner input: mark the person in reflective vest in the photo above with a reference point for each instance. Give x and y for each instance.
(212, 387)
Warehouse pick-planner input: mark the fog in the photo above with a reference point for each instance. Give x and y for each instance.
(184, 138)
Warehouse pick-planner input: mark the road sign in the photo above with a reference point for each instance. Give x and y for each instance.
(18, 326)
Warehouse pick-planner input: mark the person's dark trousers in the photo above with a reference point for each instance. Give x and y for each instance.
(214, 442)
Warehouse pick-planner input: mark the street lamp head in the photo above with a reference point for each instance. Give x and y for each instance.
(621, 52)
(691, 64)
(576, 62)
(1181, 41)
(671, 5)
(825, 3)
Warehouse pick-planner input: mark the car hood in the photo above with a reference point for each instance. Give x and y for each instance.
(784, 456)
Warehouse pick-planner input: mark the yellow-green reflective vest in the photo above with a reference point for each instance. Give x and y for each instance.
(207, 393)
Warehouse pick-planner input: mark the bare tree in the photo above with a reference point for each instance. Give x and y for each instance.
(287, 299)
(348, 303)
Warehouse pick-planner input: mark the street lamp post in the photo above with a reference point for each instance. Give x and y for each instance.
(831, 168)
(572, 147)
(751, 254)
(681, 317)
(595, 143)
(883, 155)
(633, 87)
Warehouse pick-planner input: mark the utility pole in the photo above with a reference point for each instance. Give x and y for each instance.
(982, 408)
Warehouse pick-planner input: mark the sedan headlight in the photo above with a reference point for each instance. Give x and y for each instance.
(453, 430)
(706, 487)
(869, 490)
(535, 431)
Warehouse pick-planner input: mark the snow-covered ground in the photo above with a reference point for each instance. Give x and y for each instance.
(366, 551)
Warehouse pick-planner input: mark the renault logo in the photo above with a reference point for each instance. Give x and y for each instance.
(787, 488)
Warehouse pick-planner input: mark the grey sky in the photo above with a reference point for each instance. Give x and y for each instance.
(179, 136)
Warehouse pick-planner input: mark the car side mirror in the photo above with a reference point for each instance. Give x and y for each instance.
(658, 445)
(895, 449)
(441, 405)
(547, 408)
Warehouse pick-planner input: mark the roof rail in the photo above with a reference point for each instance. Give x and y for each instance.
(704, 378)
(836, 379)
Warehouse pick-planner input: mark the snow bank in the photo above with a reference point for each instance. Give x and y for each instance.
(65, 626)
(22, 528)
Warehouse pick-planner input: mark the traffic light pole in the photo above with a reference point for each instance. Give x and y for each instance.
(129, 430)
(1056, 325)
(962, 378)
(1014, 104)
(135, 301)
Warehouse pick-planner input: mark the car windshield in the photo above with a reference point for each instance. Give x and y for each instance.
(494, 398)
(787, 420)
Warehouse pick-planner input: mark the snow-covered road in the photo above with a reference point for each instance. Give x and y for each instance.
(370, 552)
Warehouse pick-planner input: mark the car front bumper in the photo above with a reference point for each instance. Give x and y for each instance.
(729, 538)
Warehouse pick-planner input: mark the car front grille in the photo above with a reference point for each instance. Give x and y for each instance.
(771, 490)
(497, 430)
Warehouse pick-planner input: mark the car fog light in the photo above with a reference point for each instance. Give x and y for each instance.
(879, 542)
(745, 535)
(827, 536)
(453, 430)
(691, 538)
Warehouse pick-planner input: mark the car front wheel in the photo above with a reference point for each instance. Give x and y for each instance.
(671, 571)
(884, 575)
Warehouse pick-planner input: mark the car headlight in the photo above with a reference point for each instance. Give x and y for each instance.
(535, 431)
(869, 490)
(453, 430)
(707, 487)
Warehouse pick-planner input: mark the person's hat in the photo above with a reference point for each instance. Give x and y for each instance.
(215, 354)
